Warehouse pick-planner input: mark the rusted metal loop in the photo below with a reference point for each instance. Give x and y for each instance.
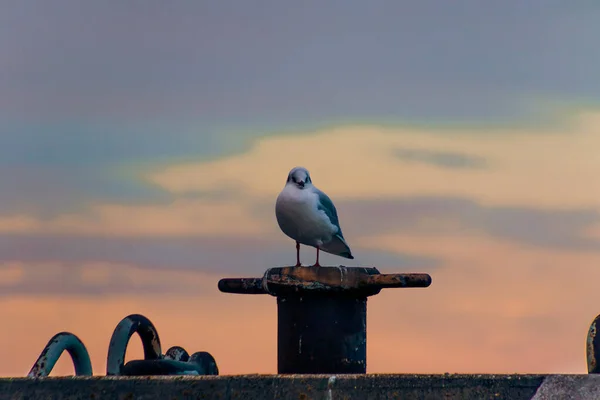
(593, 347)
(163, 367)
(177, 353)
(56, 346)
(200, 363)
(206, 363)
(134, 323)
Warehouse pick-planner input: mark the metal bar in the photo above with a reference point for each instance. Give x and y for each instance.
(398, 280)
(242, 285)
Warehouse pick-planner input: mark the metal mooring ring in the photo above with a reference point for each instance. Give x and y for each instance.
(129, 325)
(56, 346)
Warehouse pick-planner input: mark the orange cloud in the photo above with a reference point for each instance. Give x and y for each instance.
(179, 218)
(543, 168)
(529, 167)
(19, 224)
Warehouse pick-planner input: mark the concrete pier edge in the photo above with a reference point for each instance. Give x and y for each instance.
(360, 386)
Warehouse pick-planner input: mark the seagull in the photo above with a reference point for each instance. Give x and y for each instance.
(307, 215)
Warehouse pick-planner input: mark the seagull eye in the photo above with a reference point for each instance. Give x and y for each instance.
(294, 178)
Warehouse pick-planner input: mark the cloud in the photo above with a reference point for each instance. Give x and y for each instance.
(72, 162)
(435, 216)
(521, 196)
(94, 279)
(249, 64)
(222, 256)
(441, 159)
(159, 86)
(385, 233)
(202, 225)
(531, 167)
(182, 217)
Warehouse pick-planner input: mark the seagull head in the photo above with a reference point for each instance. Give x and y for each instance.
(299, 177)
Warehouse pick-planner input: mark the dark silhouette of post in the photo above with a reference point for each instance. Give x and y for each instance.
(322, 313)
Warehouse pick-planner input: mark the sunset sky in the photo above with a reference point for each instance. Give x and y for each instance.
(143, 144)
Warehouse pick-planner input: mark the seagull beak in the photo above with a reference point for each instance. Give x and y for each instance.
(301, 184)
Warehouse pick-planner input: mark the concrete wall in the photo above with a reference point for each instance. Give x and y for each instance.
(304, 387)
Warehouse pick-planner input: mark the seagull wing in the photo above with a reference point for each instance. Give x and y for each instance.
(338, 244)
(326, 205)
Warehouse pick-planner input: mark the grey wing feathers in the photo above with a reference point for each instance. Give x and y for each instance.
(338, 245)
(326, 205)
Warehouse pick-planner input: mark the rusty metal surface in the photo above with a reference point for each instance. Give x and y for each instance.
(593, 347)
(129, 325)
(398, 280)
(54, 349)
(303, 387)
(358, 281)
(321, 334)
(286, 280)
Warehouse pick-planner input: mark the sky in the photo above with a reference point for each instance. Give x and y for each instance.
(143, 144)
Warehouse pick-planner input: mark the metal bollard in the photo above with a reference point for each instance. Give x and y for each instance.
(175, 362)
(322, 313)
(56, 346)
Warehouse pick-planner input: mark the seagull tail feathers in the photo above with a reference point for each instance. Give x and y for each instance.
(338, 247)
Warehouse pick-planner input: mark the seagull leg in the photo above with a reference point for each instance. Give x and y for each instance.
(298, 255)
(317, 263)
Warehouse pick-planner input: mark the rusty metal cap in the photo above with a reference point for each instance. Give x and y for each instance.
(356, 281)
